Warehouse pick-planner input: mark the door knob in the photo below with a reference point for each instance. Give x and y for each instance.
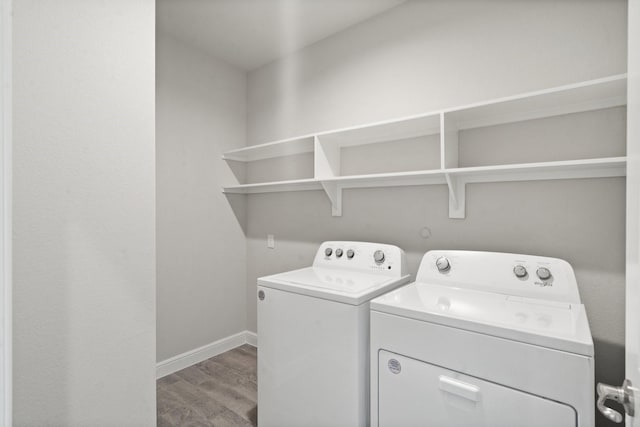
(622, 395)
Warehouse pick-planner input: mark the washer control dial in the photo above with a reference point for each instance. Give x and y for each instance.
(378, 256)
(338, 253)
(543, 273)
(328, 251)
(443, 264)
(350, 253)
(520, 271)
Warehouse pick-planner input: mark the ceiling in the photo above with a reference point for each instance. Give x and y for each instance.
(251, 33)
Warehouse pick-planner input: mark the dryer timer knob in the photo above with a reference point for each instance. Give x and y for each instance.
(378, 256)
(443, 264)
(543, 273)
(520, 271)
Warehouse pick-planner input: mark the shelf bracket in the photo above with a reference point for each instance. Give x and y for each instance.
(457, 196)
(334, 193)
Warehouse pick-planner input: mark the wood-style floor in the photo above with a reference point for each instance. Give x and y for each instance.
(220, 392)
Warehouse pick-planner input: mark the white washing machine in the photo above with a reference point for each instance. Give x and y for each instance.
(313, 334)
(482, 339)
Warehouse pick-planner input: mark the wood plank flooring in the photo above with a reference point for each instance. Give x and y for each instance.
(219, 392)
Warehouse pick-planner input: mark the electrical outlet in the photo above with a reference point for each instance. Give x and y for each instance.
(271, 241)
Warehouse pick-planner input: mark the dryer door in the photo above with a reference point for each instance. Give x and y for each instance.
(414, 393)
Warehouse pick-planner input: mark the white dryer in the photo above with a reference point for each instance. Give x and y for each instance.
(313, 335)
(482, 339)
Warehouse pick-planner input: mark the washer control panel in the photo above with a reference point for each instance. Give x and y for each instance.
(377, 258)
(511, 274)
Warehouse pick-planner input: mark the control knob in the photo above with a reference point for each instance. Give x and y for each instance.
(328, 251)
(378, 256)
(443, 264)
(520, 271)
(543, 273)
(338, 253)
(350, 253)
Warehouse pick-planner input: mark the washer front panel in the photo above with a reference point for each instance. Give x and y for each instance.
(312, 361)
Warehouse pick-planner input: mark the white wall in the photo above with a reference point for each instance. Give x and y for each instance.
(201, 112)
(428, 55)
(6, 123)
(84, 213)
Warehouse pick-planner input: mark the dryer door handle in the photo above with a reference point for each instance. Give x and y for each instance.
(459, 388)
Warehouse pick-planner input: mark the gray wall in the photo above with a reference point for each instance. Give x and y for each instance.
(84, 213)
(424, 56)
(201, 112)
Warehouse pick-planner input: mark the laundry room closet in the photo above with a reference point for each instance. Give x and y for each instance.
(411, 91)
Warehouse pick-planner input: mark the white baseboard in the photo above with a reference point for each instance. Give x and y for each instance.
(205, 352)
(252, 338)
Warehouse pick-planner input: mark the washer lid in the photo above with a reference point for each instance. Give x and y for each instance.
(557, 325)
(348, 286)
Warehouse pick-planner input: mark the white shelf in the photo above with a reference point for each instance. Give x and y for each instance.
(286, 147)
(393, 130)
(585, 96)
(570, 169)
(274, 187)
(354, 181)
(457, 178)
(396, 179)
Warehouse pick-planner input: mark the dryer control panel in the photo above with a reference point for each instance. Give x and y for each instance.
(528, 276)
(375, 258)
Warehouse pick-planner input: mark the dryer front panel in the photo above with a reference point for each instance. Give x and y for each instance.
(415, 393)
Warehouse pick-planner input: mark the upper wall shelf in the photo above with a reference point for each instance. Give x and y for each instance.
(575, 98)
(326, 146)
(393, 130)
(286, 147)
